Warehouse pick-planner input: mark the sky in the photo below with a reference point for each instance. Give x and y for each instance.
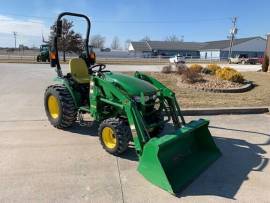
(200, 20)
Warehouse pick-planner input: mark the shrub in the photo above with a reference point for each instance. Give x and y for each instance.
(213, 68)
(190, 76)
(207, 71)
(265, 63)
(196, 67)
(230, 74)
(180, 68)
(166, 69)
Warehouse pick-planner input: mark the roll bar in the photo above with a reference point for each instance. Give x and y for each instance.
(58, 34)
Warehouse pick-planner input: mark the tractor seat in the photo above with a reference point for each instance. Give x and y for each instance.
(79, 70)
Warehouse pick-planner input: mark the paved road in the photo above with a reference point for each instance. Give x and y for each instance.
(39, 163)
(123, 68)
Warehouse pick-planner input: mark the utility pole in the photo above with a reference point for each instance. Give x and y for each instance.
(267, 51)
(15, 38)
(233, 32)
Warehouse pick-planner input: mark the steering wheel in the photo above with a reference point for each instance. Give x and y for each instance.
(100, 69)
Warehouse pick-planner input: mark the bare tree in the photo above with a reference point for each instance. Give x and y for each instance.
(70, 41)
(97, 41)
(146, 38)
(172, 38)
(115, 43)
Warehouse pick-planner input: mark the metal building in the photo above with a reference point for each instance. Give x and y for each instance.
(252, 46)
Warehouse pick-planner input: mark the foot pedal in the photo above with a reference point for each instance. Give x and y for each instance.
(82, 122)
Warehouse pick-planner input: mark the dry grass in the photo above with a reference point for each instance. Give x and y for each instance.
(190, 76)
(180, 68)
(213, 68)
(230, 74)
(189, 98)
(166, 69)
(196, 67)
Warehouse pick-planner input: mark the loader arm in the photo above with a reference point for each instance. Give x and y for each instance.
(114, 96)
(169, 95)
(176, 158)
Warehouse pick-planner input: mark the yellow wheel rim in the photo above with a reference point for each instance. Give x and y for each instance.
(53, 106)
(108, 138)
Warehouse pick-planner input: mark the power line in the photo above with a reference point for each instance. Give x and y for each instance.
(26, 16)
(123, 21)
(160, 22)
(28, 21)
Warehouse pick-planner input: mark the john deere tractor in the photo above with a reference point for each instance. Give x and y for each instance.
(130, 109)
(43, 55)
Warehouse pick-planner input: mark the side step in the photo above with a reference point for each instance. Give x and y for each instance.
(82, 122)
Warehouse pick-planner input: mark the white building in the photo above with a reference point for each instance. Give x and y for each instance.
(252, 46)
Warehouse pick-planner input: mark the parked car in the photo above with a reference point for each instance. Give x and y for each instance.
(105, 50)
(177, 59)
(260, 59)
(243, 59)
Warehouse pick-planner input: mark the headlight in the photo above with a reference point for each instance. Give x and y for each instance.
(137, 98)
(146, 98)
(154, 97)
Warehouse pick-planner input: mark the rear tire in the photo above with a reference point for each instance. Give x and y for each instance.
(114, 135)
(59, 106)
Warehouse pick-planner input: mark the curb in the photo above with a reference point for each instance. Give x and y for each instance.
(225, 111)
(246, 87)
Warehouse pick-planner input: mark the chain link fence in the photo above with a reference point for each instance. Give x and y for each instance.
(30, 56)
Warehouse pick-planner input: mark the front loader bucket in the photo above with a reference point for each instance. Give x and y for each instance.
(174, 160)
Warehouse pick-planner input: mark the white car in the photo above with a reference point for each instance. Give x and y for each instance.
(243, 59)
(177, 59)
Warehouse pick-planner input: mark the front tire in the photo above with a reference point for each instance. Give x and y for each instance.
(59, 106)
(114, 135)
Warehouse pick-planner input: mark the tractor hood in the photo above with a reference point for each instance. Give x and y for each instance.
(132, 85)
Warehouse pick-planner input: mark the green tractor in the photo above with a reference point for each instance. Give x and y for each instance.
(131, 109)
(44, 53)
